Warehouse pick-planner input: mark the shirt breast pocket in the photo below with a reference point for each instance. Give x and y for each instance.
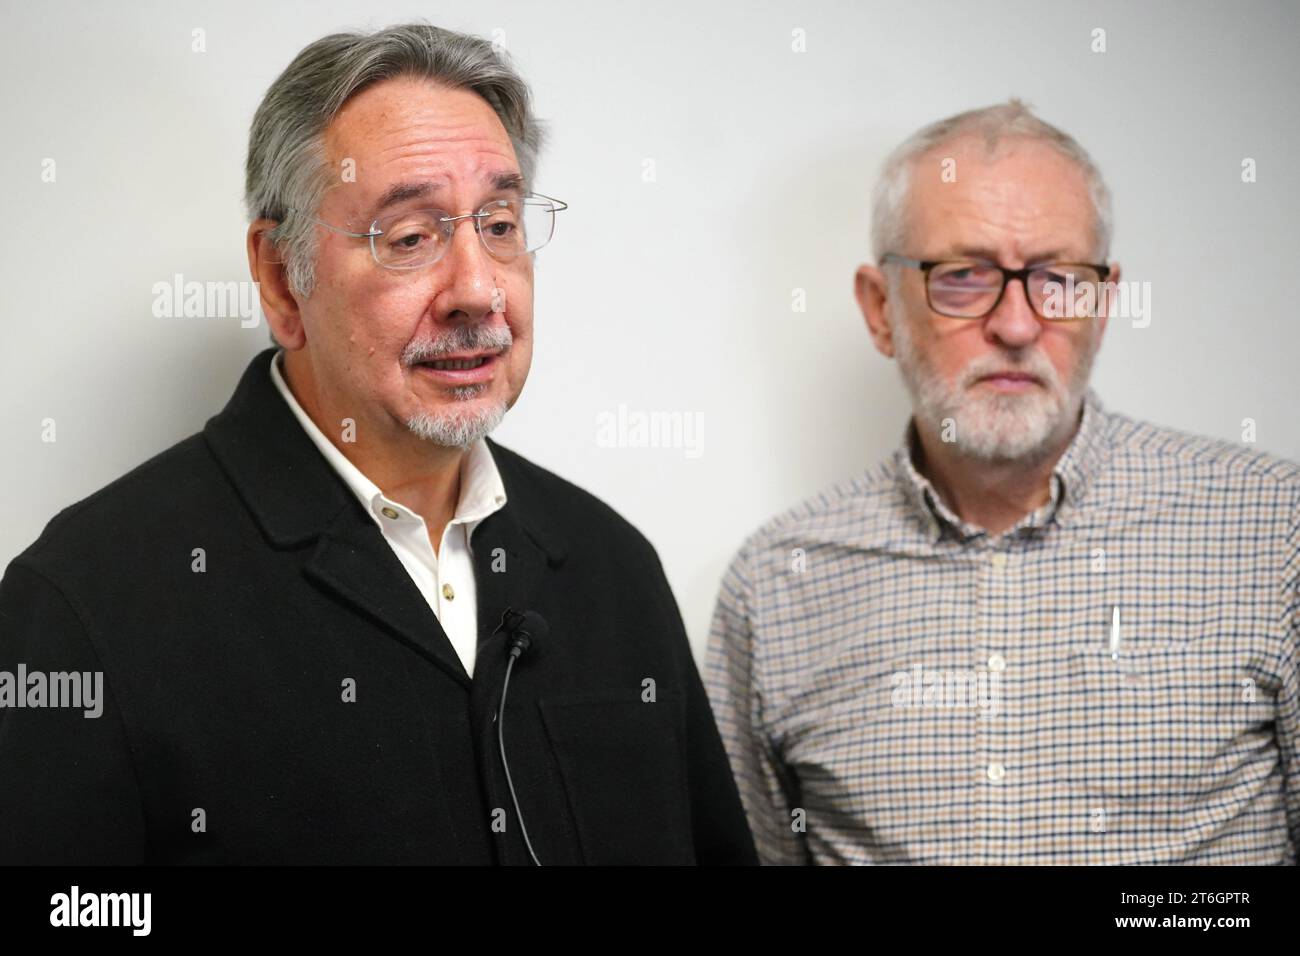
(1137, 718)
(622, 764)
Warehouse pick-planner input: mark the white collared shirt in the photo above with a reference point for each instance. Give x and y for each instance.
(446, 579)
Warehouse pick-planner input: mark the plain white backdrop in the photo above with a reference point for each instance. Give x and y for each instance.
(671, 295)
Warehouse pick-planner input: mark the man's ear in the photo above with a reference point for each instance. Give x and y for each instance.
(278, 302)
(872, 292)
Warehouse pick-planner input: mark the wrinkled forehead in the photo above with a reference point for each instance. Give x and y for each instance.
(1019, 196)
(418, 133)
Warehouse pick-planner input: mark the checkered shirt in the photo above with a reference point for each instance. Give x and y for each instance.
(1113, 680)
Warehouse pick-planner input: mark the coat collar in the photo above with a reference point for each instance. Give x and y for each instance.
(297, 499)
(290, 489)
(481, 490)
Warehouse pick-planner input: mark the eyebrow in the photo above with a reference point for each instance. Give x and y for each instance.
(990, 255)
(402, 192)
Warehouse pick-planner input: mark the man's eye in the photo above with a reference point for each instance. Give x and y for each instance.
(500, 230)
(410, 240)
(969, 276)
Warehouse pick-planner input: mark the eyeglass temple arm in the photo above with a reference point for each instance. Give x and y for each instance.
(558, 203)
(340, 229)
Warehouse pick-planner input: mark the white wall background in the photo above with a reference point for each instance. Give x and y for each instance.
(764, 158)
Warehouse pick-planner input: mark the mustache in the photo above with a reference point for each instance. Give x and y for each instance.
(1033, 363)
(462, 338)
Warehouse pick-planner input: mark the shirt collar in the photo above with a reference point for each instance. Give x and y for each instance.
(481, 489)
(1074, 472)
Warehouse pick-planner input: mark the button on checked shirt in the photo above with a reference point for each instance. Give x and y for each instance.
(445, 579)
(1111, 681)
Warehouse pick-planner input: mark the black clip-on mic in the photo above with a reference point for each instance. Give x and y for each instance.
(523, 629)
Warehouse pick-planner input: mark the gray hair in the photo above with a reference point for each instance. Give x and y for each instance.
(286, 167)
(995, 124)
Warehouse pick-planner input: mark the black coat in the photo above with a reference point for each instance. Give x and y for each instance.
(224, 690)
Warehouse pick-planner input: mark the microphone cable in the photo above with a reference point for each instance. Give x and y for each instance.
(518, 644)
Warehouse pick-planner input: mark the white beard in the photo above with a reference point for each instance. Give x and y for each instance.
(465, 421)
(459, 427)
(986, 425)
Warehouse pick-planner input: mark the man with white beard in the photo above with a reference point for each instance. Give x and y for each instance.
(1134, 590)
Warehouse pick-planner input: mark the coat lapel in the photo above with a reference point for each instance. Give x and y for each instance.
(514, 551)
(353, 561)
(510, 567)
(515, 554)
(298, 501)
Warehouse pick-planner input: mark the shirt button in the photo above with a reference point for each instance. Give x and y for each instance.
(997, 772)
(448, 592)
(999, 560)
(997, 663)
(388, 512)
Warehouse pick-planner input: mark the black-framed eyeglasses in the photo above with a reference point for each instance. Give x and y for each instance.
(972, 288)
(507, 228)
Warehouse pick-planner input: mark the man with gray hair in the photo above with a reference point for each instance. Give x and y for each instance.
(341, 625)
(1042, 632)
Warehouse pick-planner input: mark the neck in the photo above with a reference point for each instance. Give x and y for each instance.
(990, 494)
(416, 473)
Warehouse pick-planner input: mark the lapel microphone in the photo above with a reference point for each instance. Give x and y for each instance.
(522, 629)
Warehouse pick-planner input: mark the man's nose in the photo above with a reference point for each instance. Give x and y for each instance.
(1014, 322)
(469, 292)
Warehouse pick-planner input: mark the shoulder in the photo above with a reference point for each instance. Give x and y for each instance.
(852, 514)
(1198, 464)
(565, 510)
(168, 491)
